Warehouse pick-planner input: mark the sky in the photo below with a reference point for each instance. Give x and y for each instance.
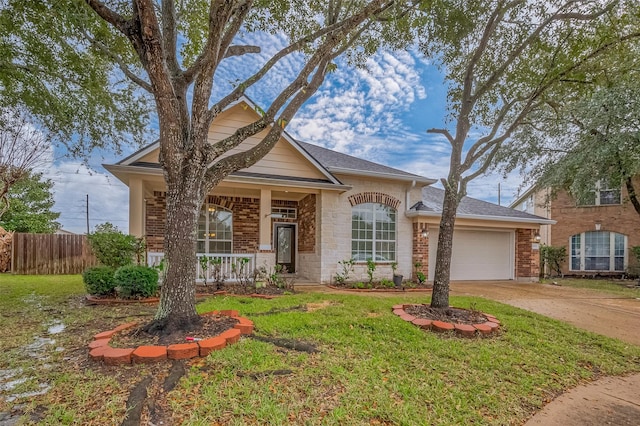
(379, 113)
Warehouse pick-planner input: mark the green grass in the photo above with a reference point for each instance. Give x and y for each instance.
(618, 287)
(373, 368)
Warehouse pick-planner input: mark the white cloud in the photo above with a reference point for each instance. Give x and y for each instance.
(108, 197)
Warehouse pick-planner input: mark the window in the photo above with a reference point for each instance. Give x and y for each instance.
(373, 232)
(214, 230)
(284, 213)
(603, 194)
(598, 251)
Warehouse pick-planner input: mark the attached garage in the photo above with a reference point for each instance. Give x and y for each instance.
(478, 255)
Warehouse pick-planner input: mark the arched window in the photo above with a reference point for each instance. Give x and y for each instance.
(215, 230)
(598, 251)
(373, 232)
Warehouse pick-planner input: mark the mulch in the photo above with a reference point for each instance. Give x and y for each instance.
(450, 315)
(209, 326)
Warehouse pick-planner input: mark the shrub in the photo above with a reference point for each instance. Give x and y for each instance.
(136, 281)
(552, 258)
(98, 280)
(113, 248)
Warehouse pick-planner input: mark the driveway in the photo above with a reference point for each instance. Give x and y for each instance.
(608, 314)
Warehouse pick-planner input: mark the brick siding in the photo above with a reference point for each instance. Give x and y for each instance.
(620, 218)
(307, 224)
(246, 221)
(527, 258)
(420, 249)
(374, 197)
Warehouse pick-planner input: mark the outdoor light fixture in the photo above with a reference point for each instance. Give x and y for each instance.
(425, 234)
(537, 237)
(598, 224)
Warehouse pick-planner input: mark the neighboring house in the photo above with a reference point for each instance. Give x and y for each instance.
(307, 208)
(597, 231)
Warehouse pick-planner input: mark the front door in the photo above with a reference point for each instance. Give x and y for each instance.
(286, 246)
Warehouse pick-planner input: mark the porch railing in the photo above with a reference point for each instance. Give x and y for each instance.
(232, 267)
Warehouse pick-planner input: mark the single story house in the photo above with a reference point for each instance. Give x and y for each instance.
(307, 208)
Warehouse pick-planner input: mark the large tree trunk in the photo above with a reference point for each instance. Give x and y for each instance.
(178, 299)
(440, 294)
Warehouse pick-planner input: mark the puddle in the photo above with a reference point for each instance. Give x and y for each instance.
(42, 389)
(9, 373)
(56, 327)
(7, 386)
(33, 300)
(35, 349)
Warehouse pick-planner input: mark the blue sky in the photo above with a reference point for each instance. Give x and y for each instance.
(380, 113)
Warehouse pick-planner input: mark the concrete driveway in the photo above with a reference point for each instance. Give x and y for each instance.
(608, 314)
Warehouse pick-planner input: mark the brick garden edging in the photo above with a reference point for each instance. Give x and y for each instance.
(99, 349)
(464, 330)
(382, 290)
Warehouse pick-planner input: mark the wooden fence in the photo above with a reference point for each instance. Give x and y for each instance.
(50, 254)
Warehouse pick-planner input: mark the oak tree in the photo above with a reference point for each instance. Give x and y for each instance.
(503, 61)
(176, 51)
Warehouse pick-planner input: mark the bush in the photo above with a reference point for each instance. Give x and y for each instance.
(552, 258)
(98, 280)
(113, 248)
(134, 281)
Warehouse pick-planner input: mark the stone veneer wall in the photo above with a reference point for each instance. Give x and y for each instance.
(334, 222)
(527, 267)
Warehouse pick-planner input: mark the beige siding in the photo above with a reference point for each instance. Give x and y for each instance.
(283, 160)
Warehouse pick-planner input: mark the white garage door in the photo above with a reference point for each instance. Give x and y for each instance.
(477, 255)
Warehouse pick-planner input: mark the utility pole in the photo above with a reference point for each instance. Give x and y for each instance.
(498, 193)
(87, 214)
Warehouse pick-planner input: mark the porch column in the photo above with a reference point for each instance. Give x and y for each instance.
(265, 219)
(136, 207)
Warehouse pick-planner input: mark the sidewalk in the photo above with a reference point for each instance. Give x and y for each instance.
(608, 401)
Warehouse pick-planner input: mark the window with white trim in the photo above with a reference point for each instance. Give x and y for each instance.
(604, 194)
(373, 232)
(598, 251)
(215, 230)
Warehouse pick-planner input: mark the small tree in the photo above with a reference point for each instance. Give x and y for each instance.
(22, 148)
(30, 203)
(112, 247)
(552, 258)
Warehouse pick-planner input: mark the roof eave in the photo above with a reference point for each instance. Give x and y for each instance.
(540, 221)
(117, 170)
(405, 178)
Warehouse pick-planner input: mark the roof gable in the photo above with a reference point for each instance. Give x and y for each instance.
(288, 158)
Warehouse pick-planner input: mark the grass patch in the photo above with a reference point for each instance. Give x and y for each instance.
(618, 287)
(373, 368)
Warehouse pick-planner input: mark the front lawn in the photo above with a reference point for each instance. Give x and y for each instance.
(615, 286)
(371, 368)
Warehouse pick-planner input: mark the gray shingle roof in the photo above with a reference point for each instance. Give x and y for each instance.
(333, 160)
(432, 199)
